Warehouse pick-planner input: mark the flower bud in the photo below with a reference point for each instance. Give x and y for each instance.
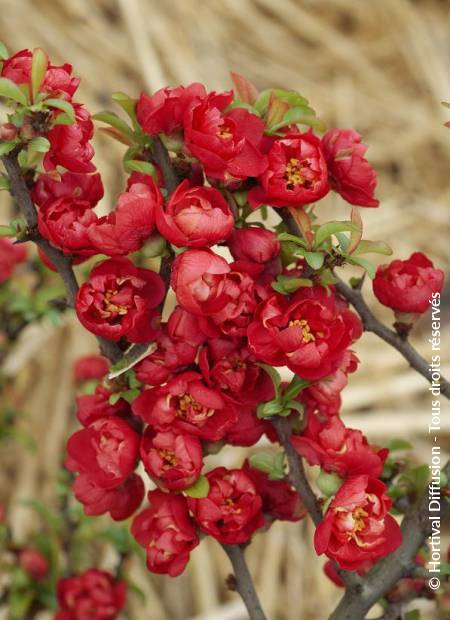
(34, 563)
(8, 132)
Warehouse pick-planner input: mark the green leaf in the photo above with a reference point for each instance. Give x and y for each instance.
(373, 247)
(303, 115)
(364, 263)
(446, 104)
(286, 285)
(344, 241)
(274, 375)
(39, 145)
(4, 183)
(4, 54)
(133, 355)
(11, 91)
(130, 395)
(314, 259)
(6, 147)
(7, 231)
(127, 104)
(271, 463)
(68, 118)
(291, 97)
(199, 489)
(288, 237)
(145, 167)
(412, 615)
(292, 405)
(398, 444)
(115, 121)
(294, 388)
(245, 90)
(331, 228)
(328, 484)
(39, 64)
(115, 397)
(269, 409)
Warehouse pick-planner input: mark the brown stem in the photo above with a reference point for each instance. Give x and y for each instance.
(244, 582)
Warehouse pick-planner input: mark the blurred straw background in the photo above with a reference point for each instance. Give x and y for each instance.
(381, 67)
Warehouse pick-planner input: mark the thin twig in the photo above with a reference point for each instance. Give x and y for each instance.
(162, 159)
(244, 582)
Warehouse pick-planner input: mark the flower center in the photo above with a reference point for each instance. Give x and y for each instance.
(308, 336)
(358, 519)
(293, 173)
(224, 133)
(112, 308)
(191, 410)
(168, 457)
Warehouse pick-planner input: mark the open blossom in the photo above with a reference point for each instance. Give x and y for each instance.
(187, 405)
(248, 428)
(408, 285)
(120, 300)
(338, 449)
(309, 333)
(174, 460)
(106, 450)
(163, 112)
(65, 223)
(88, 187)
(195, 217)
(357, 530)
(227, 144)
(350, 173)
(166, 532)
(279, 499)
(127, 227)
(10, 256)
(57, 79)
(69, 144)
(94, 594)
(91, 407)
(296, 173)
(231, 512)
(254, 244)
(120, 502)
(229, 366)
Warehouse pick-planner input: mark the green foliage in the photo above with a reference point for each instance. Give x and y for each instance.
(199, 489)
(271, 463)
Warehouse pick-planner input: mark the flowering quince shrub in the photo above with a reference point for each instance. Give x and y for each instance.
(248, 293)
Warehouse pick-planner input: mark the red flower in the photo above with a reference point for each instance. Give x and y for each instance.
(34, 563)
(408, 285)
(91, 407)
(308, 333)
(248, 429)
(195, 217)
(338, 449)
(10, 256)
(357, 529)
(184, 327)
(65, 223)
(121, 502)
(232, 510)
(187, 405)
(173, 460)
(57, 80)
(126, 228)
(254, 244)
(230, 367)
(119, 300)
(279, 500)
(73, 185)
(90, 367)
(106, 450)
(167, 533)
(350, 173)
(94, 594)
(69, 144)
(197, 279)
(226, 144)
(164, 111)
(330, 570)
(296, 173)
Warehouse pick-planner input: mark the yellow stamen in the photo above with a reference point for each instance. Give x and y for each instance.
(293, 173)
(308, 336)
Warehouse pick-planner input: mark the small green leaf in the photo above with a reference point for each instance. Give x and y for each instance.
(288, 237)
(294, 388)
(364, 263)
(271, 463)
(39, 64)
(292, 405)
(145, 167)
(245, 90)
(39, 145)
(10, 90)
(199, 489)
(6, 147)
(398, 444)
(286, 285)
(328, 483)
(115, 121)
(68, 118)
(274, 375)
(127, 104)
(4, 54)
(269, 409)
(314, 259)
(7, 231)
(372, 247)
(4, 183)
(331, 228)
(115, 397)
(412, 615)
(446, 104)
(130, 395)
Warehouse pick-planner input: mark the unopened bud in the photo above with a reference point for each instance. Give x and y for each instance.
(8, 132)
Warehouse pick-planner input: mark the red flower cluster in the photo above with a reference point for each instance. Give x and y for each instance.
(94, 594)
(408, 286)
(10, 256)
